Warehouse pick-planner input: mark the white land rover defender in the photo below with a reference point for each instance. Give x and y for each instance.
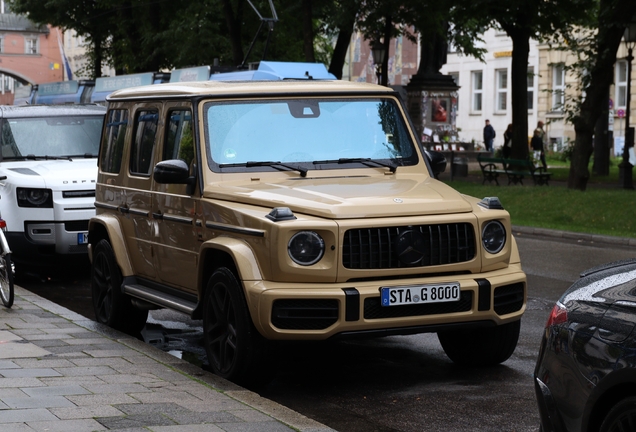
(48, 170)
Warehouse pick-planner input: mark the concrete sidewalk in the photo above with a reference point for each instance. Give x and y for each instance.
(60, 371)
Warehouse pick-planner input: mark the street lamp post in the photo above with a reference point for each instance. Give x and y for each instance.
(625, 166)
(378, 51)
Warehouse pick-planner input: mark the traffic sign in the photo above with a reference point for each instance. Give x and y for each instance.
(620, 113)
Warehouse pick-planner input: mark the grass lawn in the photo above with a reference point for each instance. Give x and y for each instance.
(603, 208)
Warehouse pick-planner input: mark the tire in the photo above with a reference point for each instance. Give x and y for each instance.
(235, 349)
(622, 417)
(6, 280)
(482, 346)
(111, 306)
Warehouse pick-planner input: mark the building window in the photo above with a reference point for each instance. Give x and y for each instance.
(1, 44)
(477, 90)
(502, 89)
(621, 84)
(558, 87)
(31, 45)
(530, 89)
(143, 146)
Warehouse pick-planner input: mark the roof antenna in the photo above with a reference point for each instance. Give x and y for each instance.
(270, 25)
(308, 76)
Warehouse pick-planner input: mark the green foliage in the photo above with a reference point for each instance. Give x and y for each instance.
(596, 211)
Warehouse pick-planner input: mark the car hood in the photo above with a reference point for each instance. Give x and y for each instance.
(348, 197)
(54, 174)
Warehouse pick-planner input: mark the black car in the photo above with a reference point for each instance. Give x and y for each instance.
(585, 377)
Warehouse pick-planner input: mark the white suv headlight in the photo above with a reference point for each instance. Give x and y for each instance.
(493, 236)
(306, 248)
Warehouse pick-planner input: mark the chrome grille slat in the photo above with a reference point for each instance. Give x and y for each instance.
(375, 248)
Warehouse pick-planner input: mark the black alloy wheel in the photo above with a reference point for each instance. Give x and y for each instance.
(481, 346)
(234, 348)
(111, 306)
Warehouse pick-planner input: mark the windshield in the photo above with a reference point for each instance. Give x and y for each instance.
(52, 137)
(311, 133)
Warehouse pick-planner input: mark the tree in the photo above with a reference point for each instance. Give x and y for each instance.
(522, 20)
(596, 51)
(85, 17)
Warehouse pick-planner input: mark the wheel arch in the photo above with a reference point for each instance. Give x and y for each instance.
(106, 227)
(612, 389)
(228, 252)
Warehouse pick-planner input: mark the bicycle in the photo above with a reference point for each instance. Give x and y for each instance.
(6, 268)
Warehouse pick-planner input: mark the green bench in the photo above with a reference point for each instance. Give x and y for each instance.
(515, 169)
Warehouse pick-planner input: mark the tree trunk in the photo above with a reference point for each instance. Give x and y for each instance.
(98, 56)
(233, 23)
(308, 32)
(342, 43)
(613, 17)
(602, 141)
(519, 92)
(388, 31)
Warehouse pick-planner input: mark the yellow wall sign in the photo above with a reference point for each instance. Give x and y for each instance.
(502, 54)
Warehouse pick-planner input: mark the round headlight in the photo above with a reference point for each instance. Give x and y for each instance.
(493, 236)
(306, 248)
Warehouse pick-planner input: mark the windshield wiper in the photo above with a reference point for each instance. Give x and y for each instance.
(65, 157)
(364, 161)
(276, 165)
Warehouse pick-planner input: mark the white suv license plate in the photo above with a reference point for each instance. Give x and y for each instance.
(82, 238)
(406, 295)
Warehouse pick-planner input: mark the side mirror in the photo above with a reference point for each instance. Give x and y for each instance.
(173, 171)
(437, 161)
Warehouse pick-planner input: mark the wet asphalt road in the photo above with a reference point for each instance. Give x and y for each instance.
(397, 383)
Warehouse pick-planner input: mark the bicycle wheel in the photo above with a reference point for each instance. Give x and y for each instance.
(6, 280)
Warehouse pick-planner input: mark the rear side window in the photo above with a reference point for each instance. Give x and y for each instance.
(143, 144)
(179, 138)
(116, 124)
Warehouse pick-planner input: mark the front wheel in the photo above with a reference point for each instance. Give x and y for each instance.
(233, 346)
(481, 346)
(6, 280)
(622, 417)
(111, 306)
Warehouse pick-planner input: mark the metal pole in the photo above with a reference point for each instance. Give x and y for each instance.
(626, 167)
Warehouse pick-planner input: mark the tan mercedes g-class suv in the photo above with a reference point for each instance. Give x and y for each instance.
(294, 210)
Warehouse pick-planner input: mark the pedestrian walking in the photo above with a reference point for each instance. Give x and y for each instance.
(538, 144)
(507, 146)
(489, 136)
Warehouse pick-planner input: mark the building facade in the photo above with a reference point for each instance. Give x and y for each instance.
(29, 53)
(485, 88)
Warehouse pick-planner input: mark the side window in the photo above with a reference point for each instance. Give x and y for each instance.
(143, 142)
(179, 137)
(113, 142)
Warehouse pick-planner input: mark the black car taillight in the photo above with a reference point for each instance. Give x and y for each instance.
(559, 315)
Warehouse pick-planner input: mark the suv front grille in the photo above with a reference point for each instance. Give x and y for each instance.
(79, 194)
(408, 246)
(374, 310)
(304, 314)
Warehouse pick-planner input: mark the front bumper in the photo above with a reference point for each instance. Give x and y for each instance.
(321, 311)
(44, 239)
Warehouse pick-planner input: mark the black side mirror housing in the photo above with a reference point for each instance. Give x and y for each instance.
(173, 171)
(437, 161)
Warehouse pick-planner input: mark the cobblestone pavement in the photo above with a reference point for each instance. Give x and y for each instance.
(61, 372)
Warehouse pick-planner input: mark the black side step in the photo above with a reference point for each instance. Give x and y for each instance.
(160, 299)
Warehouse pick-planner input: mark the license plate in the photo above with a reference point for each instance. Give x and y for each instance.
(82, 238)
(418, 294)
